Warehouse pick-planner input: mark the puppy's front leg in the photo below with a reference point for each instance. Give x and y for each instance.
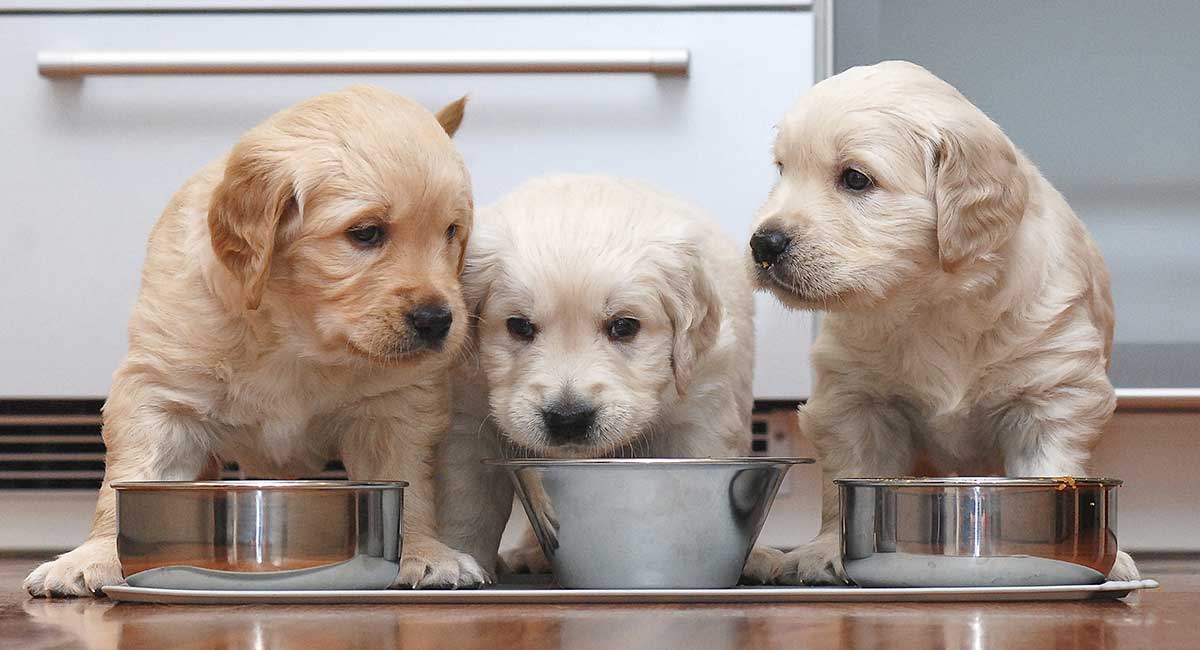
(144, 442)
(394, 437)
(474, 500)
(855, 436)
(1053, 436)
(1051, 433)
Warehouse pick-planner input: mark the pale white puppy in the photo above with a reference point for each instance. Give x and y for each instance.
(300, 301)
(968, 316)
(613, 320)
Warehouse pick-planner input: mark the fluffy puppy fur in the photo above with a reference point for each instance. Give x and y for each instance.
(294, 309)
(556, 271)
(968, 316)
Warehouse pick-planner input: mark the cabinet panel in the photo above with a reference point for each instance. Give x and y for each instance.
(89, 162)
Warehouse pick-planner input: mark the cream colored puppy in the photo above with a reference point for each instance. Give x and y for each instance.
(300, 301)
(614, 320)
(969, 321)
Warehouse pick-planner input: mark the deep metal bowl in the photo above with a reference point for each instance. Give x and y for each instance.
(978, 532)
(647, 523)
(260, 534)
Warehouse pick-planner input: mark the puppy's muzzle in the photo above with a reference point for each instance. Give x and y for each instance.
(430, 324)
(568, 422)
(768, 246)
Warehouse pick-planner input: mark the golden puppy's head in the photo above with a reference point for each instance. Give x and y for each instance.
(890, 183)
(345, 219)
(594, 307)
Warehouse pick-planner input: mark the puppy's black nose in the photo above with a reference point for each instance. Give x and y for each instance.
(568, 422)
(768, 246)
(430, 323)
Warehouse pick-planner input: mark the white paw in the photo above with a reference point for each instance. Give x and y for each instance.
(761, 565)
(818, 562)
(1124, 569)
(82, 572)
(433, 565)
(525, 559)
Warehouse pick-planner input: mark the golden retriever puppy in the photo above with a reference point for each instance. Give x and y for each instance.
(300, 301)
(968, 319)
(613, 320)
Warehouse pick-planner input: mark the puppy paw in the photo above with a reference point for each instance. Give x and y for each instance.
(818, 562)
(433, 565)
(525, 559)
(1124, 569)
(761, 565)
(82, 572)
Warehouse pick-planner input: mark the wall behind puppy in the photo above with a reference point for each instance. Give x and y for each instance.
(1102, 96)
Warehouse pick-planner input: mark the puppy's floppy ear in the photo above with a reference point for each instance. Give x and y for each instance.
(451, 115)
(246, 210)
(694, 309)
(978, 189)
(480, 266)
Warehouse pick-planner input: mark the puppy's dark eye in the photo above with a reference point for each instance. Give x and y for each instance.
(779, 167)
(521, 328)
(623, 329)
(852, 179)
(451, 232)
(367, 236)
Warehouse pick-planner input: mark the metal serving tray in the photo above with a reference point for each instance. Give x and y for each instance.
(542, 594)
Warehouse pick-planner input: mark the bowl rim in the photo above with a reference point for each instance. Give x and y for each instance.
(1058, 482)
(255, 484)
(646, 462)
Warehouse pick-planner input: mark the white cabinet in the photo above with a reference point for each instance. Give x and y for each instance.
(88, 163)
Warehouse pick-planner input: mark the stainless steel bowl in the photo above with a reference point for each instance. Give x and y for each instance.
(260, 534)
(647, 523)
(978, 532)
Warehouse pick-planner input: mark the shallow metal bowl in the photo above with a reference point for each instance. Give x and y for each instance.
(978, 532)
(260, 534)
(647, 523)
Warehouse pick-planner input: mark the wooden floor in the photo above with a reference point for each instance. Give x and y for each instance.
(1166, 618)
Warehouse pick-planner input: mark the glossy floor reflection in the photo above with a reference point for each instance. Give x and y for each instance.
(1161, 619)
